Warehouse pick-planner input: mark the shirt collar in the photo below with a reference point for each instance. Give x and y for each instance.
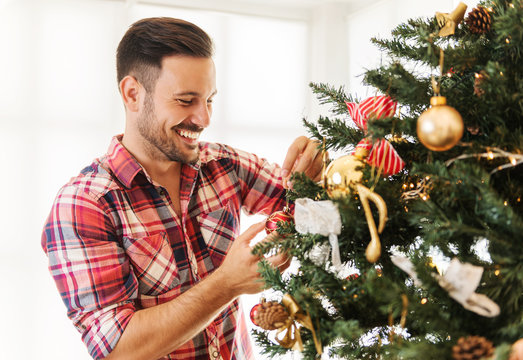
(125, 167)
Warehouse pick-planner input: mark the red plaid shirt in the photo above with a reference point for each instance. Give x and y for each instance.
(115, 244)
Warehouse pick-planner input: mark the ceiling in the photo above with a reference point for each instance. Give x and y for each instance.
(290, 9)
(304, 3)
(307, 4)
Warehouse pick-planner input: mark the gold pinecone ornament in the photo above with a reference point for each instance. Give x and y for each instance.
(472, 348)
(269, 315)
(478, 20)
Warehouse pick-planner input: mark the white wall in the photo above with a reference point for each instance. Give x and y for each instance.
(377, 20)
(59, 107)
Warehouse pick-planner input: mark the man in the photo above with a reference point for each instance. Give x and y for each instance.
(144, 243)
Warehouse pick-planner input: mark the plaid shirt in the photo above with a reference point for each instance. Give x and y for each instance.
(115, 244)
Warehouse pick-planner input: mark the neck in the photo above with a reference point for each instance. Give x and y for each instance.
(157, 166)
(162, 172)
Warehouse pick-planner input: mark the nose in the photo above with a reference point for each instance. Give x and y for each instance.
(202, 116)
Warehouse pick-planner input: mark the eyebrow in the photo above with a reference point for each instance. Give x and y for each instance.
(193, 93)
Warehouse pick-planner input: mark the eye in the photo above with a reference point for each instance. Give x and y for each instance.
(184, 102)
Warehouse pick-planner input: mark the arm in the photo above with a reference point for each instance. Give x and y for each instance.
(93, 276)
(157, 331)
(262, 184)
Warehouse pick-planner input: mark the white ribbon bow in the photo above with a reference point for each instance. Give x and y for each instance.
(461, 281)
(319, 217)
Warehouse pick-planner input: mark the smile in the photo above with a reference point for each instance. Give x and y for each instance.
(188, 134)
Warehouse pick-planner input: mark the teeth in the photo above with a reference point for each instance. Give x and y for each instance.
(189, 134)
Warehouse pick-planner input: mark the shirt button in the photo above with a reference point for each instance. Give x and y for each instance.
(215, 354)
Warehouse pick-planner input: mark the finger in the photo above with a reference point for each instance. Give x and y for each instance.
(251, 232)
(271, 237)
(287, 184)
(517, 350)
(279, 258)
(307, 157)
(314, 171)
(296, 148)
(281, 261)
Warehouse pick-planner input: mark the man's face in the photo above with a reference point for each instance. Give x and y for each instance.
(178, 109)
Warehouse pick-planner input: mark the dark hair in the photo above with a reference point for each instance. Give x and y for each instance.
(148, 41)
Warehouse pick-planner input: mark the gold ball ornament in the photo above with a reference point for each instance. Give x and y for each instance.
(440, 127)
(342, 177)
(344, 172)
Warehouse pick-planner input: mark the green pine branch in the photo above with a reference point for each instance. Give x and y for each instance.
(336, 97)
(472, 209)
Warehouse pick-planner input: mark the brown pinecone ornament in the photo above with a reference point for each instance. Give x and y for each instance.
(472, 348)
(270, 315)
(479, 20)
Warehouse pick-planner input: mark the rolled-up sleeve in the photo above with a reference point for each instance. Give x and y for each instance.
(261, 183)
(90, 268)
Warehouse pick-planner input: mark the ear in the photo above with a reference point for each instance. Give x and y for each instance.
(131, 91)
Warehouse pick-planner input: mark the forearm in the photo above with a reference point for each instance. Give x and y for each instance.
(154, 332)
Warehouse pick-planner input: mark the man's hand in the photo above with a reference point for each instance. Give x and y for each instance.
(156, 331)
(305, 156)
(280, 260)
(240, 267)
(517, 350)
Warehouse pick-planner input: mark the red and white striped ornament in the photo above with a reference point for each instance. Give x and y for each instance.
(381, 153)
(375, 107)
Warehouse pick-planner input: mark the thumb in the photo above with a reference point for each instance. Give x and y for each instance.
(251, 232)
(271, 237)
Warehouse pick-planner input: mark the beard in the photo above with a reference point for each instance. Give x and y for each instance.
(158, 144)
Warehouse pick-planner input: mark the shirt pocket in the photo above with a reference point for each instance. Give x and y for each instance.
(153, 261)
(219, 229)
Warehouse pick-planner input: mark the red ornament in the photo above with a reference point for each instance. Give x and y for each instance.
(352, 277)
(279, 216)
(254, 312)
(381, 153)
(376, 107)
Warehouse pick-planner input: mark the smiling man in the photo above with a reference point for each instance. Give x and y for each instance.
(144, 243)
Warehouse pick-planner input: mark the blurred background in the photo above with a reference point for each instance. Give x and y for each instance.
(60, 107)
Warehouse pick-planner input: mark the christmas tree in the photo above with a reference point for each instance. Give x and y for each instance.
(435, 270)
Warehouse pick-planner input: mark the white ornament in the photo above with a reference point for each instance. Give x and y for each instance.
(319, 217)
(319, 254)
(460, 280)
(406, 265)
